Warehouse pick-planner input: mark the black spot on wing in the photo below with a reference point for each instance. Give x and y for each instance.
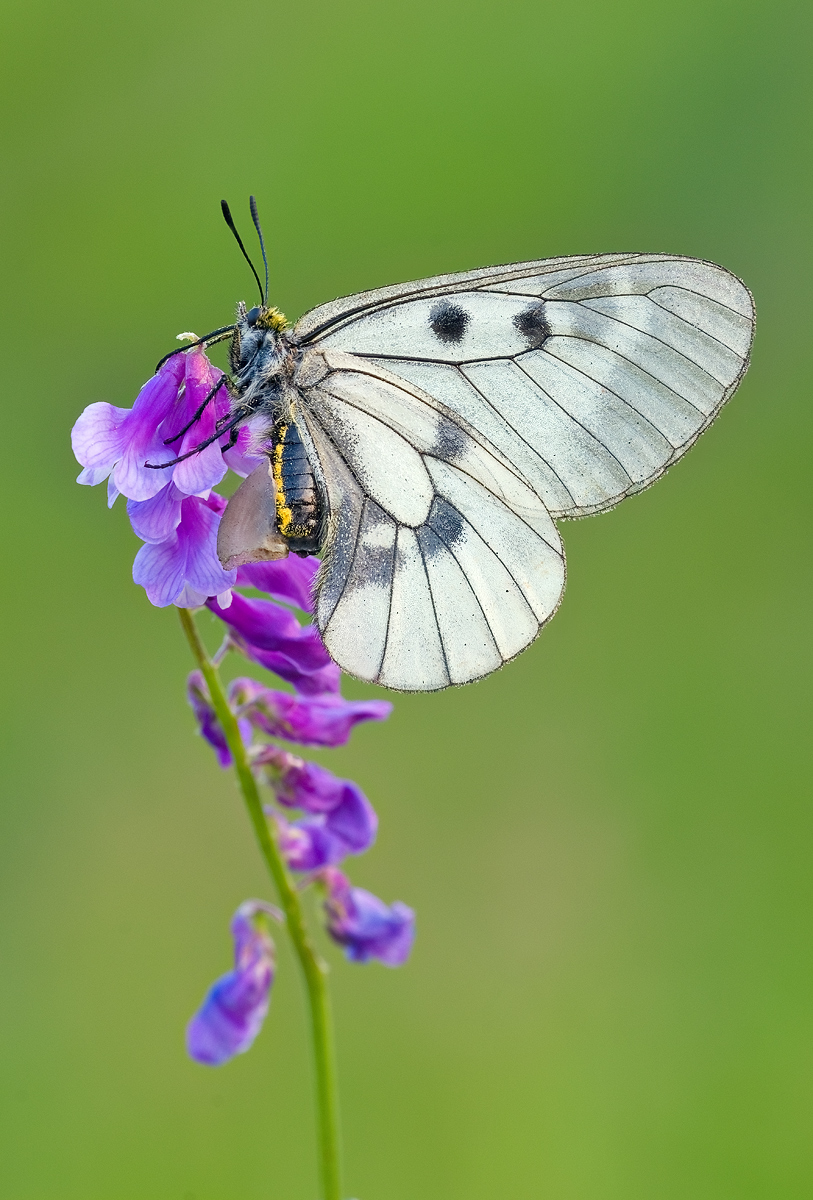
(448, 321)
(446, 522)
(533, 325)
(450, 441)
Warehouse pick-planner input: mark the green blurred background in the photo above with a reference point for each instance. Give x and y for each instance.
(608, 843)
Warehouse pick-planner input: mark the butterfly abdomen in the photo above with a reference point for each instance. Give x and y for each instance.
(299, 511)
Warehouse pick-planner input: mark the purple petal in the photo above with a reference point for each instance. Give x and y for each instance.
(155, 520)
(144, 441)
(308, 683)
(91, 476)
(98, 440)
(290, 579)
(265, 626)
(307, 845)
(203, 571)
(203, 470)
(272, 636)
(246, 455)
(366, 926)
(235, 1006)
(184, 569)
(197, 693)
(300, 784)
(310, 720)
(353, 822)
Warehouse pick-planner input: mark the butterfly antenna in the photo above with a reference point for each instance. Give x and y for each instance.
(252, 203)
(227, 217)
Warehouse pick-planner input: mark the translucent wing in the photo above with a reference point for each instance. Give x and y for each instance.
(440, 562)
(590, 375)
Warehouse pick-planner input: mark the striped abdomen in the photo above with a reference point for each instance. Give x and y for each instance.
(299, 516)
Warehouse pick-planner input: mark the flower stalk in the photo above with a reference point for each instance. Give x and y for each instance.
(313, 967)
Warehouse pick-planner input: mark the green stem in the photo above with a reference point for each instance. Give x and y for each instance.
(313, 967)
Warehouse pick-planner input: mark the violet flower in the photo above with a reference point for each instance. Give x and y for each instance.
(325, 720)
(209, 727)
(365, 925)
(301, 784)
(117, 441)
(272, 637)
(235, 1006)
(170, 509)
(183, 568)
(344, 821)
(287, 579)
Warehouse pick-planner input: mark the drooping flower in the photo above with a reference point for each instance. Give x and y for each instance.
(202, 471)
(325, 720)
(298, 783)
(235, 1006)
(118, 441)
(364, 925)
(183, 568)
(209, 726)
(341, 820)
(288, 579)
(272, 637)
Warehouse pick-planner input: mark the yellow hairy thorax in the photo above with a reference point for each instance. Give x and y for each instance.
(272, 318)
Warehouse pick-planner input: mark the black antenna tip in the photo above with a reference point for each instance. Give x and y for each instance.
(255, 216)
(230, 222)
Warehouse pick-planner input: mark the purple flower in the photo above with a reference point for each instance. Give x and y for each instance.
(306, 845)
(325, 720)
(243, 457)
(209, 726)
(327, 838)
(183, 568)
(365, 925)
(235, 1006)
(301, 784)
(272, 636)
(119, 440)
(290, 579)
(203, 470)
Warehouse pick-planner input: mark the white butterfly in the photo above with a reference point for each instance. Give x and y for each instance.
(426, 436)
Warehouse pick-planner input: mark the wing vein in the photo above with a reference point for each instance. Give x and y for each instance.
(575, 420)
(468, 581)
(525, 442)
(721, 383)
(581, 371)
(581, 337)
(434, 609)
(692, 292)
(697, 328)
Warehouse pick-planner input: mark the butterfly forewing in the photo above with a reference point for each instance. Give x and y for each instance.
(591, 376)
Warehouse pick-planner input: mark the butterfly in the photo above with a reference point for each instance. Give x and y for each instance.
(424, 439)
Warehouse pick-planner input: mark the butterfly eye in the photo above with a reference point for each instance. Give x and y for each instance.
(253, 315)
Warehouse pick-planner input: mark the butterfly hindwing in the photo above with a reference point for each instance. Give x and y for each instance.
(441, 562)
(590, 376)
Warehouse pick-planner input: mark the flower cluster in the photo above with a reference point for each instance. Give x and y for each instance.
(172, 509)
(319, 819)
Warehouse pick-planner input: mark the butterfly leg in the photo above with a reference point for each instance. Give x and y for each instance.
(231, 424)
(223, 379)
